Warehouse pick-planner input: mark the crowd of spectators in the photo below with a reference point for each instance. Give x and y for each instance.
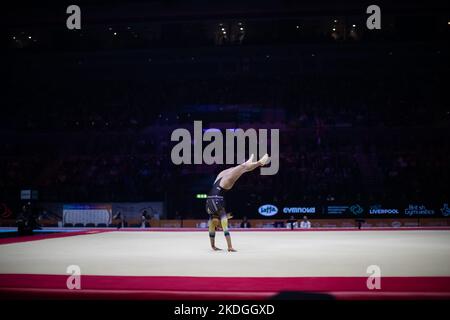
(346, 136)
(341, 170)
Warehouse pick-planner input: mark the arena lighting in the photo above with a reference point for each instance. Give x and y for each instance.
(334, 29)
(29, 37)
(115, 33)
(354, 25)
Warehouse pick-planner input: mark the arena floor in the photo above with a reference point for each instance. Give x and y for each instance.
(180, 265)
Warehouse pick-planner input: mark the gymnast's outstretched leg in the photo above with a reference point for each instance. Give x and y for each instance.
(229, 176)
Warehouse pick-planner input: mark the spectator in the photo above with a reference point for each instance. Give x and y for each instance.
(144, 219)
(292, 223)
(305, 224)
(119, 220)
(245, 223)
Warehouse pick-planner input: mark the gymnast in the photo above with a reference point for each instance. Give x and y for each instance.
(215, 202)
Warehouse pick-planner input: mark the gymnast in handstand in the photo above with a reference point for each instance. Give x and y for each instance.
(215, 202)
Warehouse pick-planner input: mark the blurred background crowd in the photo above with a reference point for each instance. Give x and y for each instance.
(363, 116)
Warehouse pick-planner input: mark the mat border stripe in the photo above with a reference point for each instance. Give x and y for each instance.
(29, 286)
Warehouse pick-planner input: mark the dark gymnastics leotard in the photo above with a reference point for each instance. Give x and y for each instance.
(215, 202)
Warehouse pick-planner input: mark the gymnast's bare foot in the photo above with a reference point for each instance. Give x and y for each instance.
(249, 165)
(216, 249)
(263, 161)
(232, 250)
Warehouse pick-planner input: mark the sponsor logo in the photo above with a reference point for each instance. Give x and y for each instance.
(377, 209)
(356, 209)
(336, 209)
(299, 210)
(268, 210)
(445, 210)
(414, 209)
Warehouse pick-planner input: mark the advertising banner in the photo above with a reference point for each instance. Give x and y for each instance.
(352, 210)
(419, 210)
(378, 209)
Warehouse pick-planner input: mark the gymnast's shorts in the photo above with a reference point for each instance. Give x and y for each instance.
(215, 205)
